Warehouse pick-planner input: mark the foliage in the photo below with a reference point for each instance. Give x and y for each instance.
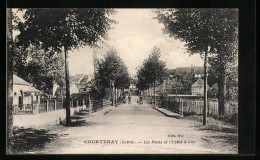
(69, 27)
(232, 84)
(97, 92)
(173, 105)
(113, 68)
(163, 98)
(201, 28)
(36, 66)
(213, 91)
(52, 29)
(184, 83)
(214, 30)
(152, 71)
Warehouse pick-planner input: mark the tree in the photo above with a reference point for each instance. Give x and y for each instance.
(152, 71)
(112, 67)
(9, 35)
(39, 67)
(204, 30)
(63, 30)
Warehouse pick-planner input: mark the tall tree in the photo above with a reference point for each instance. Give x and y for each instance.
(212, 31)
(9, 35)
(39, 67)
(64, 30)
(113, 68)
(152, 71)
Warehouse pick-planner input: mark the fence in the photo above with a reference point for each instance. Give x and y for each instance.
(99, 104)
(150, 99)
(23, 109)
(52, 105)
(197, 107)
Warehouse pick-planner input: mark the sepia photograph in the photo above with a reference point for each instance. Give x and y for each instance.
(122, 81)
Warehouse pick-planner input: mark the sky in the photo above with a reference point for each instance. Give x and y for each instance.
(134, 37)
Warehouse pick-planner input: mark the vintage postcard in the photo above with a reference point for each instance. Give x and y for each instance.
(122, 81)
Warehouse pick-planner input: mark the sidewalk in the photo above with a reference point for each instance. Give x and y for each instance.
(167, 113)
(103, 110)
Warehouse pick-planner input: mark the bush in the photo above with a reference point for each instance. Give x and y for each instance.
(163, 99)
(97, 92)
(173, 105)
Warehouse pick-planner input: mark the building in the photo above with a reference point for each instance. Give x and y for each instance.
(24, 94)
(173, 83)
(76, 88)
(197, 88)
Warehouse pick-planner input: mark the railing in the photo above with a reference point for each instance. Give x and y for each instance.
(197, 107)
(99, 104)
(23, 109)
(42, 107)
(51, 106)
(59, 105)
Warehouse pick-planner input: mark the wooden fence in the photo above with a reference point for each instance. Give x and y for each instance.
(194, 106)
(99, 104)
(197, 106)
(52, 105)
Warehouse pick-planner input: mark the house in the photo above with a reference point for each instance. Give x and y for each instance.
(79, 84)
(76, 88)
(197, 88)
(24, 94)
(172, 84)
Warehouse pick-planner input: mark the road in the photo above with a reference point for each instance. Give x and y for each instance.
(131, 129)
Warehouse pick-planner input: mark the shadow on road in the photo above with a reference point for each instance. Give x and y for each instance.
(216, 128)
(27, 139)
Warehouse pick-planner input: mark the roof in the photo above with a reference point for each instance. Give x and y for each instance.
(80, 86)
(19, 81)
(183, 70)
(171, 71)
(76, 77)
(80, 78)
(199, 82)
(32, 89)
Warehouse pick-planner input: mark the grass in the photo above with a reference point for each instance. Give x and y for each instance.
(220, 130)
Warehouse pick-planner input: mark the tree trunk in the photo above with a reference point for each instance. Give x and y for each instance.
(67, 79)
(205, 88)
(154, 94)
(221, 91)
(9, 34)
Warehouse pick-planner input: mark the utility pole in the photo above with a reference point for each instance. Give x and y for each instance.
(205, 88)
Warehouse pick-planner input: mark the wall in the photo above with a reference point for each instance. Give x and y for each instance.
(74, 89)
(47, 118)
(39, 119)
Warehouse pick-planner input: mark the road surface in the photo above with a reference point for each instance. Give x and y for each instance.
(131, 129)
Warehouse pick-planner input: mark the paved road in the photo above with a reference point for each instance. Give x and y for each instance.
(130, 129)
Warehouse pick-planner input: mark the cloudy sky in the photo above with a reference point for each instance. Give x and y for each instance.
(134, 36)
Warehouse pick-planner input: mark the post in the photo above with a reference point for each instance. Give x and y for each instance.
(32, 103)
(115, 95)
(55, 104)
(47, 105)
(111, 91)
(181, 107)
(77, 105)
(205, 88)
(154, 94)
